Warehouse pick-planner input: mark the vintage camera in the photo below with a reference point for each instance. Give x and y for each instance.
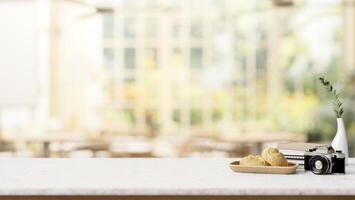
(324, 160)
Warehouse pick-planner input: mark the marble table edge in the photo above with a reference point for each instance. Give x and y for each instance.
(181, 192)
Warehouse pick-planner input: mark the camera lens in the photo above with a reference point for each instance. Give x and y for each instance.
(319, 164)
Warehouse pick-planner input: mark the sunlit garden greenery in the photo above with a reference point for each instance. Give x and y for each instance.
(308, 45)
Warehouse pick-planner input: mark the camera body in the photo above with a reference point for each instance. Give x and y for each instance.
(324, 160)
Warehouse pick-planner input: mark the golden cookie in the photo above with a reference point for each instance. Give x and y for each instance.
(274, 157)
(252, 160)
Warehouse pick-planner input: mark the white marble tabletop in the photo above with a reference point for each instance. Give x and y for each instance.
(40, 176)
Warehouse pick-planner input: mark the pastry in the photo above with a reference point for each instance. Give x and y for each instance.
(274, 157)
(253, 160)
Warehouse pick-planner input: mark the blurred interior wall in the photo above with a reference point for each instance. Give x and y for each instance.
(24, 57)
(50, 55)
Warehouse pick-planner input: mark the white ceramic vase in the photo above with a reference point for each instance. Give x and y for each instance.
(340, 141)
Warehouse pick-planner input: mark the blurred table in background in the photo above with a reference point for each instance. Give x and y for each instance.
(45, 140)
(234, 145)
(260, 138)
(68, 144)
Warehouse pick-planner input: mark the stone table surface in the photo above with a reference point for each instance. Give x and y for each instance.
(153, 176)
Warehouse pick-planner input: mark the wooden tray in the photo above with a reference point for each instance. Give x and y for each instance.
(290, 169)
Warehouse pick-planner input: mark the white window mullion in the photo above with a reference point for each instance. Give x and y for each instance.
(348, 35)
(164, 49)
(185, 85)
(273, 67)
(118, 70)
(206, 63)
(251, 81)
(139, 71)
